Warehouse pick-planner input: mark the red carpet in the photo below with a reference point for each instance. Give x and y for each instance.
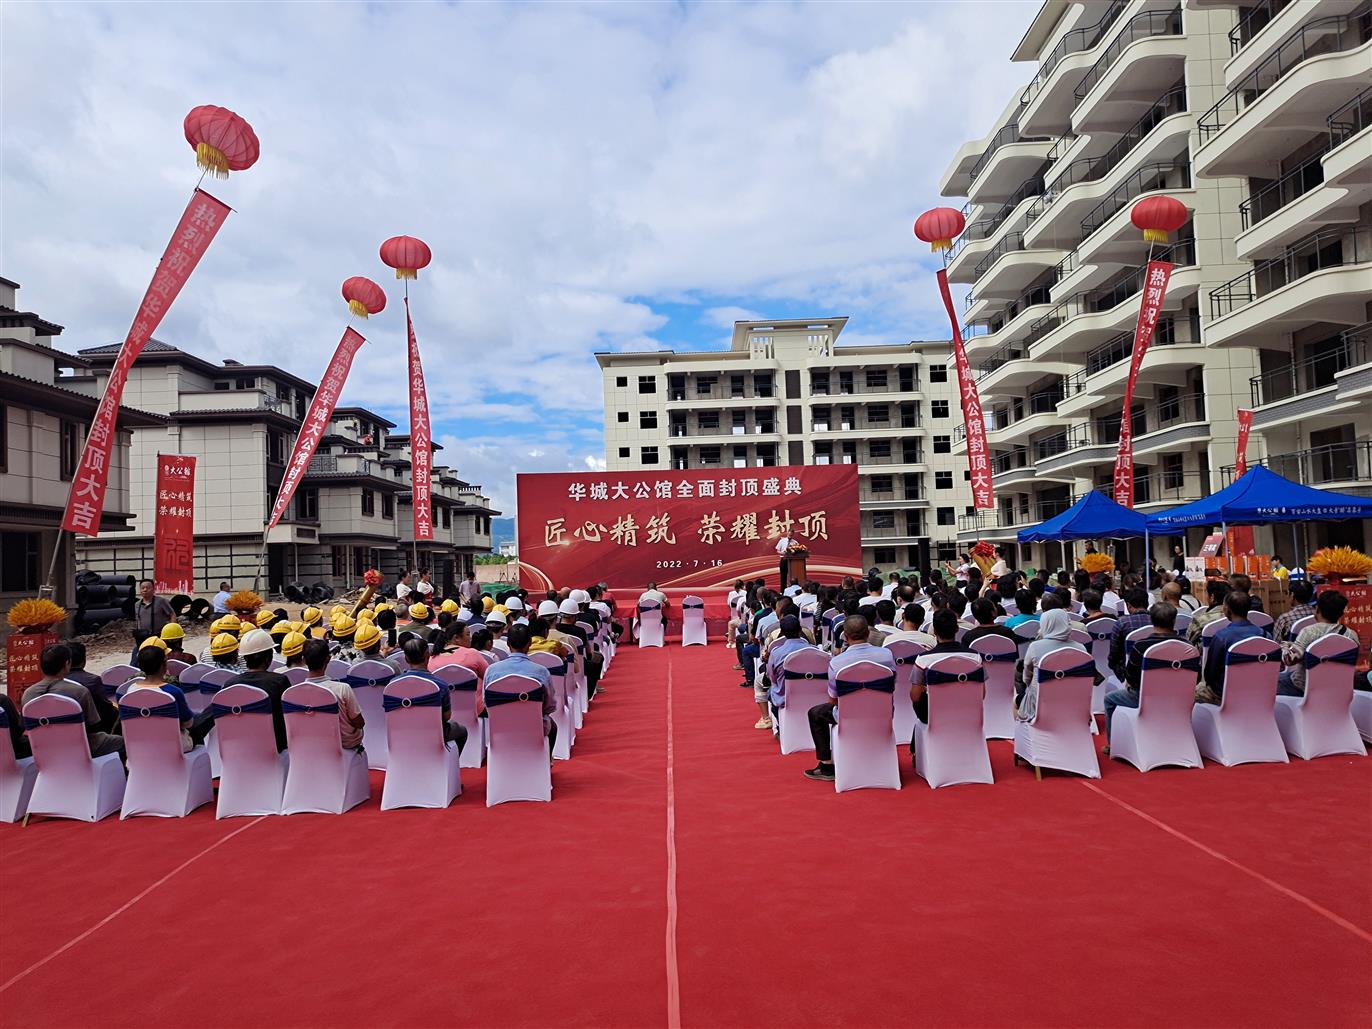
(1020, 904)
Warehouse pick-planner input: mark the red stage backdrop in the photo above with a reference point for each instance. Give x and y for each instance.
(687, 529)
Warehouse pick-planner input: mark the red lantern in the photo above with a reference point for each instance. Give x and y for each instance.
(223, 141)
(940, 227)
(364, 296)
(1157, 216)
(406, 255)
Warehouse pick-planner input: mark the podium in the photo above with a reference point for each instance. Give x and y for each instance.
(793, 568)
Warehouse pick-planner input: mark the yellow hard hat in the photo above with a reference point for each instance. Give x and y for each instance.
(299, 627)
(311, 615)
(367, 635)
(224, 643)
(450, 606)
(383, 606)
(336, 610)
(419, 611)
(222, 624)
(155, 641)
(264, 618)
(172, 631)
(293, 644)
(366, 615)
(245, 626)
(280, 627)
(486, 604)
(343, 625)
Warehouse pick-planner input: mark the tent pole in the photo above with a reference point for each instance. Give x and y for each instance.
(1147, 576)
(1295, 547)
(1228, 550)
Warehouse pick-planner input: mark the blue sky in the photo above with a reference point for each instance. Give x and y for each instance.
(589, 177)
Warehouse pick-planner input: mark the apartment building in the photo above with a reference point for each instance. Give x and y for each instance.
(787, 392)
(1113, 112)
(1293, 124)
(350, 512)
(47, 401)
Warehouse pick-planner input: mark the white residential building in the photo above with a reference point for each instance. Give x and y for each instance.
(789, 393)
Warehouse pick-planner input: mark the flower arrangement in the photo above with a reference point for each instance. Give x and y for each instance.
(984, 556)
(244, 602)
(29, 616)
(371, 579)
(1097, 563)
(1340, 563)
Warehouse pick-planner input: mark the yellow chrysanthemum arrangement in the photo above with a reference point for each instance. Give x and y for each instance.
(1097, 563)
(1345, 561)
(35, 615)
(243, 602)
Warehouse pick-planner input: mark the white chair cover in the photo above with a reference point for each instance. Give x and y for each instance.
(210, 684)
(190, 682)
(1102, 631)
(368, 680)
(252, 779)
(650, 628)
(116, 675)
(1026, 633)
(864, 741)
(559, 673)
(421, 769)
(1243, 726)
(1361, 711)
(1263, 621)
(337, 669)
(1207, 633)
(297, 674)
(826, 626)
(1298, 625)
(903, 710)
(518, 767)
(807, 684)
(1321, 722)
(323, 777)
(1058, 736)
(998, 656)
(1182, 623)
(70, 783)
(951, 748)
(174, 670)
(162, 781)
(1158, 732)
(461, 683)
(1134, 635)
(693, 622)
(1080, 637)
(17, 777)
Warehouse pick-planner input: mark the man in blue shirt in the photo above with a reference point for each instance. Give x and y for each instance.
(519, 663)
(220, 603)
(790, 642)
(1136, 617)
(417, 664)
(1239, 628)
(823, 716)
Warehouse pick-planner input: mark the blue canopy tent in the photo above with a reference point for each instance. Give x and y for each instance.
(1262, 497)
(1094, 516)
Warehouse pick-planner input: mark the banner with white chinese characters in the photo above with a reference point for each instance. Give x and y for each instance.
(199, 224)
(1155, 279)
(978, 457)
(1245, 419)
(421, 452)
(695, 529)
(317, 420)
(174, 527)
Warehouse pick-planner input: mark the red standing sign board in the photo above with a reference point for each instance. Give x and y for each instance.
(22, 650)
(685, 529)
(173, 563)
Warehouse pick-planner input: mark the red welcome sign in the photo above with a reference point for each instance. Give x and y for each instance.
(693, 529)
(174, 528)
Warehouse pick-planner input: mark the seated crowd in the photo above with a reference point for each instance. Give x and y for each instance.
(859, 620)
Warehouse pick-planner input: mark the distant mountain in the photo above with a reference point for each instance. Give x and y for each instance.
(502, 531)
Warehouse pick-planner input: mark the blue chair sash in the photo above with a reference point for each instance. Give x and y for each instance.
(257, 707)
(1085, 670)
(496, 699)
(787, 673)
(843, 687)
(552, 670)
(1273, 655)
(357, 680)
(467, 687)
(4, 719)
(935, 676)
(130, 711)
(74, 718)
(693, 607)
(1348, 657)
(206, 687)
(992, 658)
(434, 699)
(1191, 664)
(291, 708)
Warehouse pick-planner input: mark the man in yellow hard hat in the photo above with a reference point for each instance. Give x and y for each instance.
(314, 622)
(293, 649)
(175, 637)
(367, 641)
(449, 606)
(224, 652)
(229, 623)
(343, 630)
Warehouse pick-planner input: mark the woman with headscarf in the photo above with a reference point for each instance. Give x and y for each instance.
(1054, 634)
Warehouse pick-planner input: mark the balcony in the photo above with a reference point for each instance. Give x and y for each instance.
(863, 423)
(1006, 164)
(1170, 175)
(882, 456)
(982, 234)
(722, 432)
(1046, 104)
(1325, 385)
(1319, 67)
(343, 464)
(1014, 518)
(694, 394)
(1335, 465)
(232, 400)
(1253, 21)
(1143, 58)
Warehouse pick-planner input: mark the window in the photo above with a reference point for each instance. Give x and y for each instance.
(705, 385)
(19, 553)
(947, 516)
(647, 384)
(221, 385)
(647, 419)
(338, 557)
(307, 505)
(621, 381)
(879, 449)
(71, 449)
(943, 444)
(938, 408)
(766, 455)
(244, 383)
(1173, 471)
(359, 561)
(884, 555)
(623, 451)
(735, 385)
(762, 385)
(845, 382)
(369, 502)
(876, 378)
(943, 480)
(947, 551)
(709, 455)
(740, 457)
(624, 417)
(4, 438)
(879, 414)
(708, 420)
(647, 455)
(883, 519)
(447, 517)
(883, 483)
(938, 373)
(388, 506)
(739, 423)
(276, 447)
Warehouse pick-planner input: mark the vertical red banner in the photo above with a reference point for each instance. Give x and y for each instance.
(316, 420)
(199, 224)
(978, 458)
(421, 450)
(1245, 419)
(174, 535)
(22, 651)
(1155, 278)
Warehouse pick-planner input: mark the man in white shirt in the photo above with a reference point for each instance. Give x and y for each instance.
(888, 591)
(220, 603)
(470, 588)
(403, 590)
(783, 545)
(822, 716)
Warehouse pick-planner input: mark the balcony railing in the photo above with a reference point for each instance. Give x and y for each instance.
(1074, 42)
(893, 456)
(1351, 118)
(1012, 241)
(1007, 135)
(895, 424)
(1008, 518)
(689, 431)
(1176, 175)
(1270, 199)
(1322, 36)
(1002, 417)
(986, 225)
(1319, 466)
(677, 394)
(1328, 248)
(1254, 20)
(1180, 254)
(1140, 26)
(1035, 295)
(892, 494)
(1312, 373)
